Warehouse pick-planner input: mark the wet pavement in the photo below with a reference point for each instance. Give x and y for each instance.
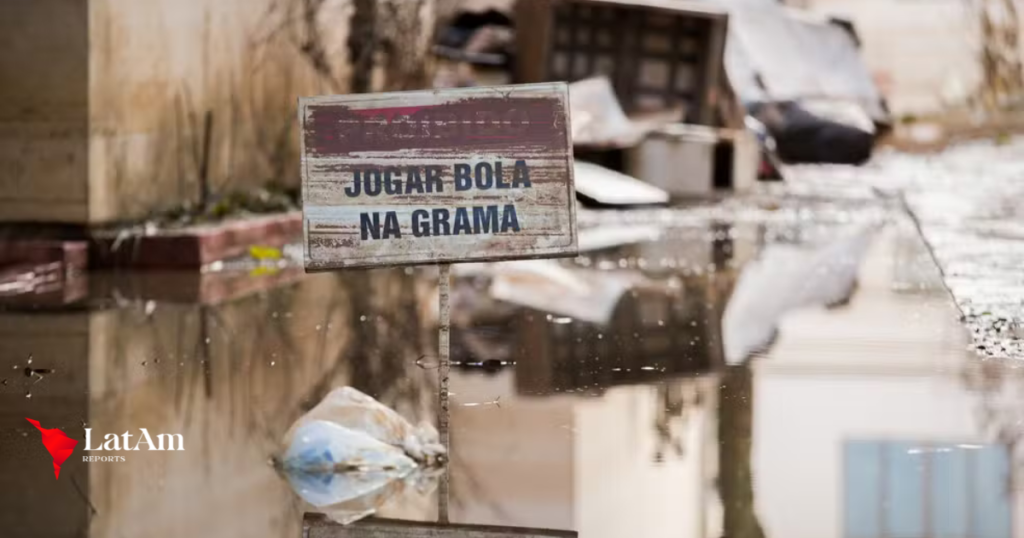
(859, 417)
(966, 204)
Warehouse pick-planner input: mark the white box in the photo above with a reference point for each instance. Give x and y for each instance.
(681, 159)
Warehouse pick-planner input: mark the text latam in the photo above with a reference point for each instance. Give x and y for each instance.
(112, 441)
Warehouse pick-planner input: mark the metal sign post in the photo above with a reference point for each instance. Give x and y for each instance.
(438, 177)
(444, 284)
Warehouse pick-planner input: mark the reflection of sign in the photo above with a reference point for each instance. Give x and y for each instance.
(316, 526)
(437, 176)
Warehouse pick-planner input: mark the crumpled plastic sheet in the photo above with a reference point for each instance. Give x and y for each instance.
(351, 496)
(319, 446)
(350, 455)
(351, 409)
(599, 121)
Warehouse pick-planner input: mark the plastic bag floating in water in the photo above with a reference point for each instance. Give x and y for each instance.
(319, 446)
(350, 455)
(351, 409)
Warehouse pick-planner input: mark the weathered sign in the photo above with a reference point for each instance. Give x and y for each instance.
(437, 176)
(317, 526)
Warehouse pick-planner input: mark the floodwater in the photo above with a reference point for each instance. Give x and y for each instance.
(857, 417)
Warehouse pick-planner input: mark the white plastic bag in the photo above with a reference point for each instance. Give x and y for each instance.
(349, 497)
(356, 411)
(318, 446)
(350, 455)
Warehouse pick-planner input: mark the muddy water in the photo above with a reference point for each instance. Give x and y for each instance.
(864, 419)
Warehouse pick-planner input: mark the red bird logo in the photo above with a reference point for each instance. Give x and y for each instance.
(59, 446)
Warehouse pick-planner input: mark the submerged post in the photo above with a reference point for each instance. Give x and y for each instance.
(444, 284)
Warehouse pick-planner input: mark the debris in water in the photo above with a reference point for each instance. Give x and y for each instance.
(350, 455)
(565, 292)
(495, 402)
(348, 408)
(491, 365)
(421, 361)
(37, 373)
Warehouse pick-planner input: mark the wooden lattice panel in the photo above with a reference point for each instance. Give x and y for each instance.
(658, 55)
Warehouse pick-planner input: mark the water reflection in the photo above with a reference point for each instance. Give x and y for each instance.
(735, 437)
(631, 428)
(229, 376)
(604, 428)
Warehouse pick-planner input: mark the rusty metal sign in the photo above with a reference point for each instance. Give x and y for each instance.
(438, 176)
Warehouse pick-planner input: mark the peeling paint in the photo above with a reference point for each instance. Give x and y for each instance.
(437, 176)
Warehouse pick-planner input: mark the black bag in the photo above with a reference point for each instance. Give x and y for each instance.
(802, 137)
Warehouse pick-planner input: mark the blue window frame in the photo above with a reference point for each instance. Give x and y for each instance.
(925, 490)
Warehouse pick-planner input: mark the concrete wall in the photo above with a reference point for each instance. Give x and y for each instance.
(156, 69)
(44, 109)
(103, 104)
